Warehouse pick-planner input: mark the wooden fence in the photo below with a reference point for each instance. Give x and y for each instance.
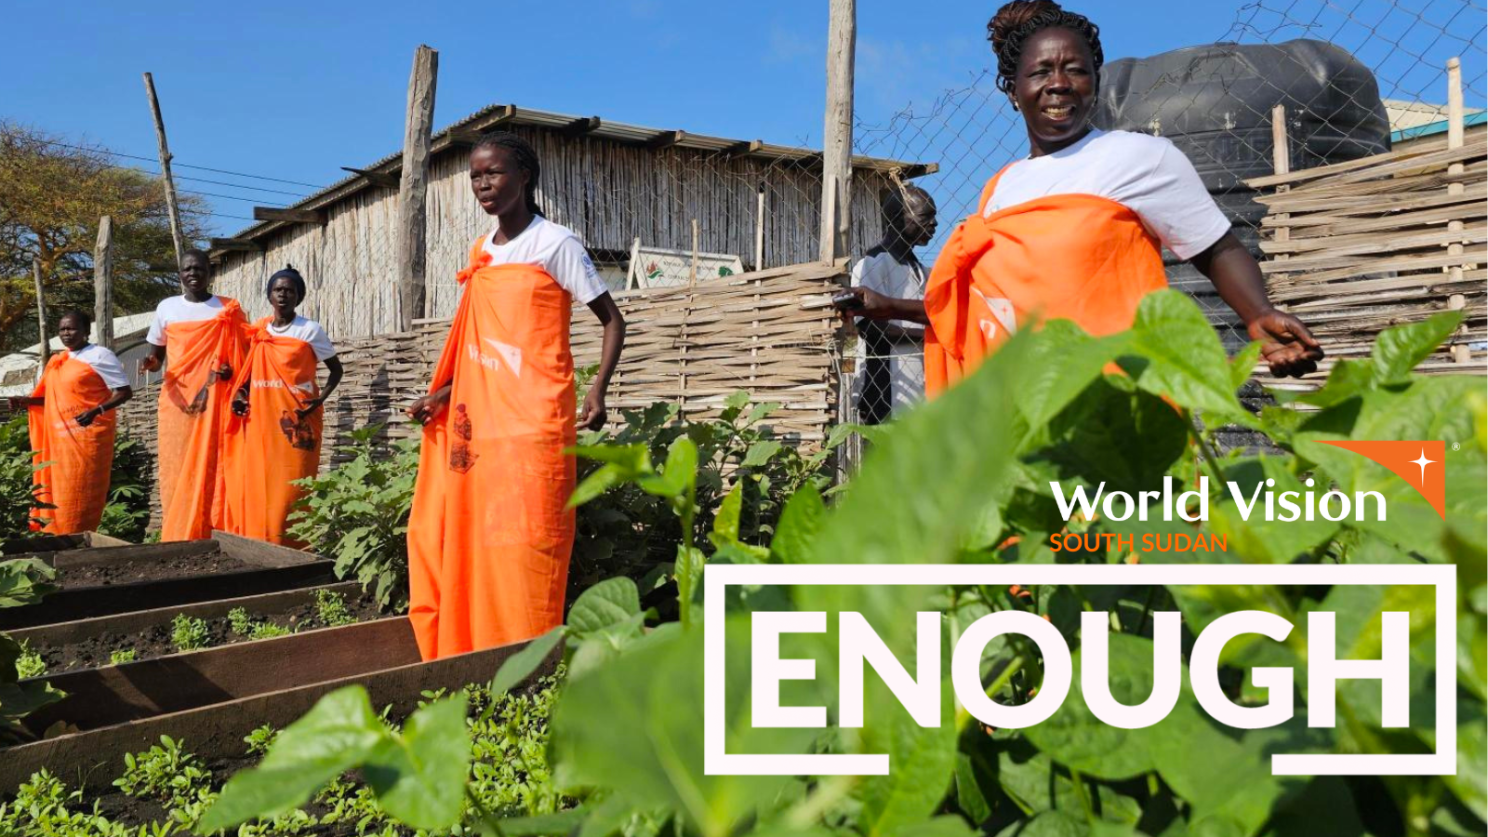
(771, 333)
(1380, 241)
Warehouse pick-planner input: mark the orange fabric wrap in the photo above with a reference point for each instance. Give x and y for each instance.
(264, 453)
(77, 479)
(193, 414)
(489, 538)
(1076, 257)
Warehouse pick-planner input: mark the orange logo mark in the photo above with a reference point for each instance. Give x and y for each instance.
(1422, 464)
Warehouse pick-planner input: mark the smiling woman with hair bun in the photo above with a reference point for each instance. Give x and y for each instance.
(1076, 230)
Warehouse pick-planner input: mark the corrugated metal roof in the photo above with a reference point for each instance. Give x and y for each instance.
(494, 116)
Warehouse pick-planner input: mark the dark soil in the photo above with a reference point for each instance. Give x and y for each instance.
(156, 641)
(148, 569)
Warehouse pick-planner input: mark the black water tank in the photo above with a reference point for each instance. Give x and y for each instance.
(1214, 102)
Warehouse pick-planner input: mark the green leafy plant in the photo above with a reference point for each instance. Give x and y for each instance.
(17, 490)
(624, 528)
(29, 664)
(357, 515)
(259, 740)
(240, 622)
(330, 609)
(22, 582)
(127, 513)
(119, 657)
(189, 633)
(164, 773)
(967, 479)
(268, 630)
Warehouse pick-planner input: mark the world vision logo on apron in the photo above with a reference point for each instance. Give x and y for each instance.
(1420, 464)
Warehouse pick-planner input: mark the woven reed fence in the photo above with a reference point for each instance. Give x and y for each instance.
(771, 333)
(1360, 246)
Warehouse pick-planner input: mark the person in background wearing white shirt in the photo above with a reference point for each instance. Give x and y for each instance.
(273, 439)
(491, 532)
(72, 427)
(202, 336)
(1076, 230)
(893, 377)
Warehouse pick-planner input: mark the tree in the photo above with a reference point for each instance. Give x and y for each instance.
(51, 197)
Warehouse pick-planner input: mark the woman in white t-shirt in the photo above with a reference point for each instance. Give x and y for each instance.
(491, 532)
(274, 437)
(72, 427)
(1076, 230)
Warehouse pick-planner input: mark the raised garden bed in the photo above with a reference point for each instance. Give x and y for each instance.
(214, 698)
(57, 543)
(90, 643)
(108, 580)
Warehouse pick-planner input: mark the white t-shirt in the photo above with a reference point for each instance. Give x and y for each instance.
(105, 363)
(557, 250)
(179, 309)
(883, 273)
(1146, 174)
(308, 331)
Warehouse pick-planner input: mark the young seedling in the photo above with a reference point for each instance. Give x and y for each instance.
(121, 656)
(164, 773)
(259, 740)
(330, 608)
(189, 633)
(240, 622)
(29, 663)
(268, 630)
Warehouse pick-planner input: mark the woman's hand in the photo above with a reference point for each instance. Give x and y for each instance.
(429, 407)
(309, 407)
(87, 417)
(198, 404)
(240, 406)
(224, 372)
(149, 363)
(593, 416)
(1286, 345)
(20, 402)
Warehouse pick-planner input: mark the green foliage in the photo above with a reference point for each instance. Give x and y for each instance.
(23, 581)
(127, 513)
(240, 622)
(330, 609)
(357, 515)
(164, 773)
(626, 528)
(29, 664)
(188, 633)
(17, 491)
(259, 740)
(268, 630)
(121, 657)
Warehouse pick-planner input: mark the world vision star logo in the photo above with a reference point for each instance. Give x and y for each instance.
(1422, 464)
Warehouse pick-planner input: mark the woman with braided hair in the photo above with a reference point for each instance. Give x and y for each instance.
(490, 534)
(1075, 231)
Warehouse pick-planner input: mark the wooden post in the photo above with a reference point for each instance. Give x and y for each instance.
(103, 284)
(1281, 163)
(1455, 139)
(837, 131)
(46, 349)
(759, 229)
(692, 274)
(165, 171)
(413, 188)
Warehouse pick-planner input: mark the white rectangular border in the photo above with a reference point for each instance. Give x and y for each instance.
(1443, 577)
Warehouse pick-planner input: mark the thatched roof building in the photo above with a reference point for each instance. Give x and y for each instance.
(614, 184)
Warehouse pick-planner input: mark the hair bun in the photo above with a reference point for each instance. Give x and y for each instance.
(1013, 15)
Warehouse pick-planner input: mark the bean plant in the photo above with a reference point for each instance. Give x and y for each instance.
(966, 479)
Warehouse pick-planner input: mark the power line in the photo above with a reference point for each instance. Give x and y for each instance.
(181, 165)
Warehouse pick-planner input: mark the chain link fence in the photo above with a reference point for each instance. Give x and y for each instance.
(1355, 78)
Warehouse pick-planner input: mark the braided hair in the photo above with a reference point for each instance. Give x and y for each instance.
(523, 155)
(1015, 23)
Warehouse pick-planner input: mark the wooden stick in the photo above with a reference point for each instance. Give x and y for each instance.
(46, 349)
(1455, 136)
(413, 188)
(1281, 163)
(103, 284)
(759, 229)
(692, 274)
(165, 171)
(837, 131)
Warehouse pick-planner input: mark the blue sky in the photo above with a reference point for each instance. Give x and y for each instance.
(296, 90)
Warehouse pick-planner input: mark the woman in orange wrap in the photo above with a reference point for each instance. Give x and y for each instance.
(274, 436)
(1075, 231)
(72, 424)
(490, 535)
(203, 338)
